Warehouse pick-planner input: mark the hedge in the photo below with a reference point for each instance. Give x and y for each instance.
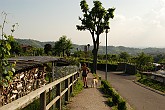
(116, 98)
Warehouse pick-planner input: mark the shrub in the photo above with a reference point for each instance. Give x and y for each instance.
(122, 105)
(110, 102)
(115, 98)
(110, 91)
(105, 84)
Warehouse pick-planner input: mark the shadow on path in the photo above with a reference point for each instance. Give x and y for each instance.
(89, 99)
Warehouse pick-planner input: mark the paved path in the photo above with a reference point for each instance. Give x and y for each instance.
(89, 99)
(138, 97)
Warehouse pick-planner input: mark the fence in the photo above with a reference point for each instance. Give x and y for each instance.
(63, 71)
(22, 102)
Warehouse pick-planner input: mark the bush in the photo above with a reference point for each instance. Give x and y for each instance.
(105, 84)
(114, 98)
(110, 91)
(121, 105)
(110, 102)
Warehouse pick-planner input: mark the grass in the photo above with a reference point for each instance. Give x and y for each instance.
(77, 88)
(152, 83)
(35, 105)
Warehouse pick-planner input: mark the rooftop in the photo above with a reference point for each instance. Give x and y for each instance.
(24, 62)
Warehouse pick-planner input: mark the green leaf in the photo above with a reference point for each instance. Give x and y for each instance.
(5, 84)
(10, 73)
(8, 46)
(4, 63)
(14, 64)
(5, 72)
(7, 77)
(13, 70)
(10, 38)
(8, 53)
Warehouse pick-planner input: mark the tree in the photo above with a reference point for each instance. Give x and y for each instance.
(63, 46)
(124, 56)
(158, 58)
(16, 48)
(95, 21)
(48, 49)
(80, 54)
(143, 60)
(114, 58)
(35, 51)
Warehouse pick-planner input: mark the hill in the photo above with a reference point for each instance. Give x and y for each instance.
(33, 43)
(110, 49)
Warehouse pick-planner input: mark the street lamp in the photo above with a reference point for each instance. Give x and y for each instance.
(106, 31)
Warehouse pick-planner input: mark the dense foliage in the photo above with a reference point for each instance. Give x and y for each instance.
(143, 61)
(6, 70)
(62, 47)
(48, 49)
(114, 99)
(151, 83)
(95, 20)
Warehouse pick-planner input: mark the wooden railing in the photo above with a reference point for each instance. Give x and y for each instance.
(41, 92)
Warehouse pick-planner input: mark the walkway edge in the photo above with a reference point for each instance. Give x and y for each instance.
(142, 85)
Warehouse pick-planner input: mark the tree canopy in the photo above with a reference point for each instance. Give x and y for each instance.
(47, 49)
(143, 60)
(62, 46)
(95, 21)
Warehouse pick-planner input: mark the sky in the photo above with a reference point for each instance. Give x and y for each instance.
(136, 23)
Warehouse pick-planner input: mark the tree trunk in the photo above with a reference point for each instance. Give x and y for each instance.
(63, 53)
(94, 60)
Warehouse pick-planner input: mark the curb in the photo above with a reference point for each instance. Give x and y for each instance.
(142, 85)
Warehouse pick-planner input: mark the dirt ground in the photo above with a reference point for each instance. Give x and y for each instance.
(89, 99)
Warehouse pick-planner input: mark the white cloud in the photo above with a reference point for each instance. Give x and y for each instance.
(140, 31)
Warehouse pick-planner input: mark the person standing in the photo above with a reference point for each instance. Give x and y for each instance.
(85, 71)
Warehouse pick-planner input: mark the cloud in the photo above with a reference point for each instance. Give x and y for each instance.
(157, 15)
(146, 30)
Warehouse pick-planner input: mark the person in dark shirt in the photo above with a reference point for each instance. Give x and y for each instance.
(85, 71)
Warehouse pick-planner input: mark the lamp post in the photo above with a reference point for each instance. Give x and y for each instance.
(88, 54)
(106, 31)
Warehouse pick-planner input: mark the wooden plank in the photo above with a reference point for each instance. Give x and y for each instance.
(74, 81)
(52, 102)
(67, 92)
(58, 93)
(64, 91)
(53, 71)
(43, 101)
(71, 81)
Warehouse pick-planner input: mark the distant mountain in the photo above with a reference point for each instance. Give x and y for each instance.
(33, 43)
(110, 49)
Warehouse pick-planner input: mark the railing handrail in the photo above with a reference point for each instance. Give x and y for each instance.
(25, 100)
